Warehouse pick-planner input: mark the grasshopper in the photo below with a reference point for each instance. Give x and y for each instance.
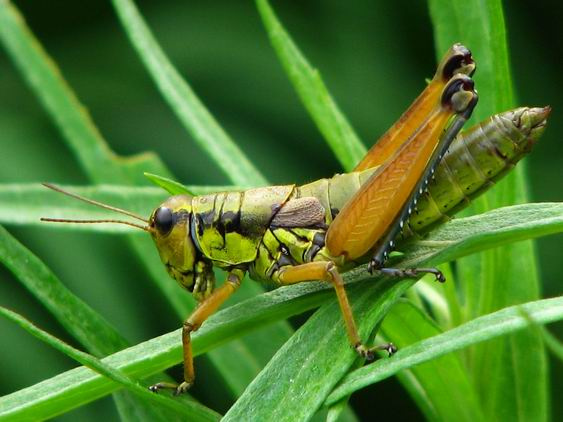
(417, 174)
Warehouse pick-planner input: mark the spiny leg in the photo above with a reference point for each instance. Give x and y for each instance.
(327, 271)
(366, 218)
(198, 317)
(462, 102)
(411, 272)
(456, 60)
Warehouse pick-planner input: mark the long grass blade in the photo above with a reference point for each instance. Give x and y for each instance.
(88, 327)
(157, 354)
(511, 373)
(188, 409)
(102, 165)
(313, 93)
(441, 387)
(477, 330)
(186, 105)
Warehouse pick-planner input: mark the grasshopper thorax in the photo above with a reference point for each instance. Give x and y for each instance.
(170, 230)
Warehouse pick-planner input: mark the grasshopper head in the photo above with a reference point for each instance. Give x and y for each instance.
(169, 226)
(170, 230)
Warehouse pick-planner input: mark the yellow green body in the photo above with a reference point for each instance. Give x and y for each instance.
(265, 229)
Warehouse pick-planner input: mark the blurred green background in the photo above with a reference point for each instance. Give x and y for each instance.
(374, 57)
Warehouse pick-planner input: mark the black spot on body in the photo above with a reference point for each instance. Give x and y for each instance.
(499, 153)
(181, 215)
(230, 220)
(298, 236)
(284, 260)
(207, 218)
(311, 253)
(319, 239)
(199, 225)
(221, 230)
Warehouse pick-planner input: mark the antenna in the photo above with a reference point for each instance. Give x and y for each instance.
(92, 202)
(98, 204)
(65, 220)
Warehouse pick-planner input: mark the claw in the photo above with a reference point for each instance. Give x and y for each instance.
(390, 348)
(373, 266)
(161, 386)
(364, 352)
(368, 353)
(440, 277)
(183, 388)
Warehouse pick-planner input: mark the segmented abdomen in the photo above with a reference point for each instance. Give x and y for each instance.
(478, 158)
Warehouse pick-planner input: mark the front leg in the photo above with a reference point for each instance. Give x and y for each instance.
(206, 308)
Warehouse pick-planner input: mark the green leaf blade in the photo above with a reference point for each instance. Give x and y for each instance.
(443, 382)
(169, 185)
(102, 165)
(313, 93)
(81, 321)
(508, 386)
(186, 105)
(480, 329)
(163, 352)
(187, 409)
(296, 381)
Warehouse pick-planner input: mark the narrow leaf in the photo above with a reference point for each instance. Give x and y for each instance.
(300, 374)
(25, 204)
(512, 383)
(443, 382)
(188, 107)
(157, 354)
(299, 377)
(171, 186)
(313, 93)
(552, 343)
(81, 321)
(91, 150)
(188, 409)
(477, 330)
(102, 165)
(494, 228)
(88, 327)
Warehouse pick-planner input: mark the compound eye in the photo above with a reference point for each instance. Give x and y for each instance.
(163, 220)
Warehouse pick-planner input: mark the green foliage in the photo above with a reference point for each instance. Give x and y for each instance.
(503, 372)
(466, 349)
(312, 91)
(479, 329)
(182, 100)
(323, 354)
(103, 166)
(187, 409)
(170, 186)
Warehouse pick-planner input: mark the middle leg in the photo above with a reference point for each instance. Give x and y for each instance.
(328, 272)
